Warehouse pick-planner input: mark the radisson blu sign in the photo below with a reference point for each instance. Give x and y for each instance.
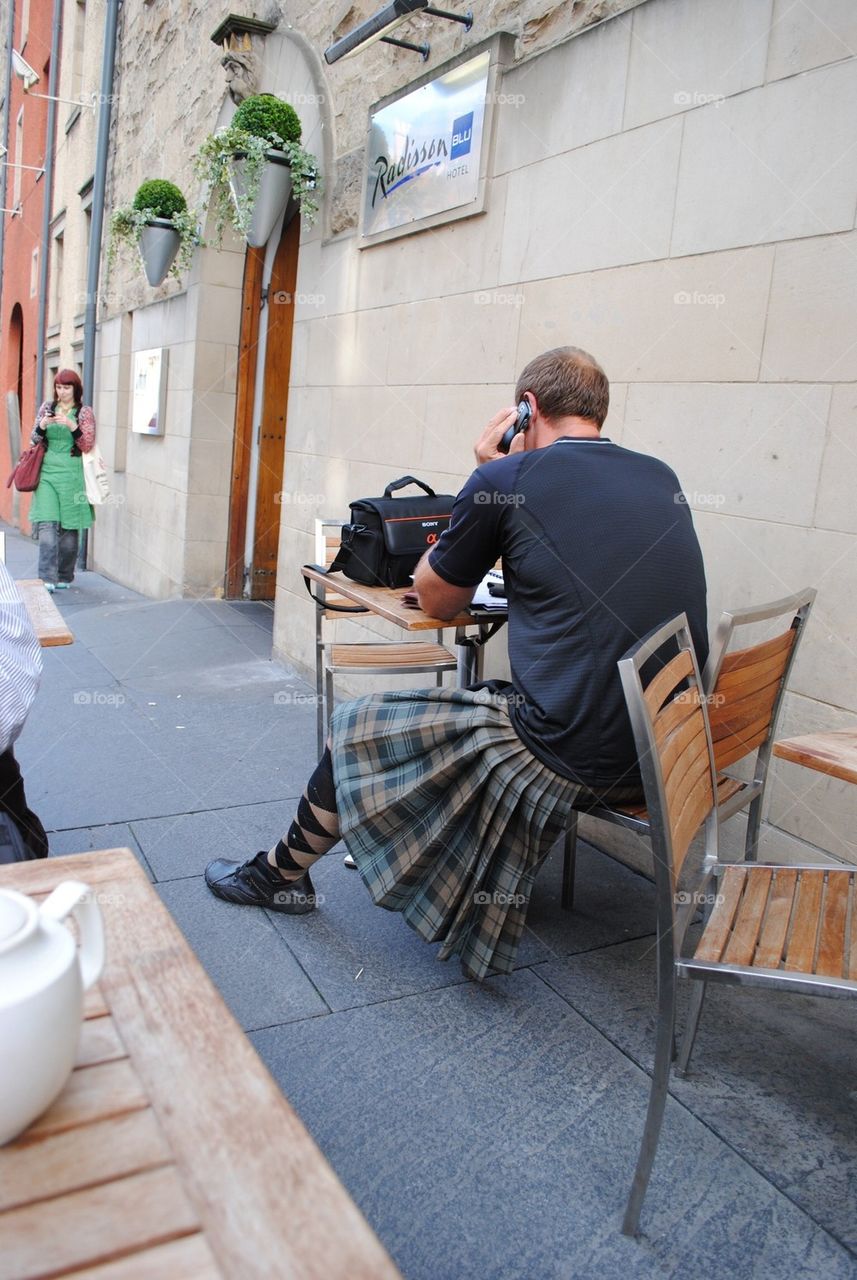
(424, 150)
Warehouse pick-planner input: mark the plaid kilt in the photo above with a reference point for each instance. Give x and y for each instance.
(448, 815)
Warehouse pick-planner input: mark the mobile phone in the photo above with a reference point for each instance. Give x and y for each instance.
(520, 424)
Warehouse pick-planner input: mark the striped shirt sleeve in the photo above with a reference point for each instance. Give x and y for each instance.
(20, 661)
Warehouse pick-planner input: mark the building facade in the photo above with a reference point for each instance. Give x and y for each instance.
(26, 143)
(666, 184)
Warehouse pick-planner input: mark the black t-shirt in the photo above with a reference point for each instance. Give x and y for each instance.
(598, 549)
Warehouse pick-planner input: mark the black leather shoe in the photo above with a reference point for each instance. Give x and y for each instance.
(257, 884)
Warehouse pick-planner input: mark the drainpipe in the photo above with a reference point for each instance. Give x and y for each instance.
(48, 179)
(7, 93)
(93, 266)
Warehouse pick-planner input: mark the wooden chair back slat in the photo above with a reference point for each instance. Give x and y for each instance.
(831, 941)
(667, 680)
(679, 730)
(729, 750)
(772, 940)
(742, 704)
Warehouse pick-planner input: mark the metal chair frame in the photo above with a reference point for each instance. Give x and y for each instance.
(673, 920)
(425, 657)
(748, 794)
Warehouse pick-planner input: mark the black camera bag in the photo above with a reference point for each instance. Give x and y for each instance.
(387, 536)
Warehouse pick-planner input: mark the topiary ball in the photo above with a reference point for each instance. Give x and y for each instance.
(264, 115)
(162, 197)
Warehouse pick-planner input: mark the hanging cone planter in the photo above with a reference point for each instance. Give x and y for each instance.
(275, 188)
(159, 245)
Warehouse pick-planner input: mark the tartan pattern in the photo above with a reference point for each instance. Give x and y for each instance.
(448, 816)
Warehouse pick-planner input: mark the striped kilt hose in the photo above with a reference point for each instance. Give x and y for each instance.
(448, 816)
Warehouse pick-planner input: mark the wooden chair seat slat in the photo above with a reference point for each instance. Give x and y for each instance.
(748, 922)
(831, 942)
(405, 656)
(715, 936)
(800, 955)
(772, 940)
(851, 954)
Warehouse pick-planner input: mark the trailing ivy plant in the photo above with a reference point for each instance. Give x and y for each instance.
(156, 198)
(261, 123)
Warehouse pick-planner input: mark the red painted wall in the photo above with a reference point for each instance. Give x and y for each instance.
(22, 236)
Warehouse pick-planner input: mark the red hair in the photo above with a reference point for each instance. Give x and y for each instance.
(68, 378)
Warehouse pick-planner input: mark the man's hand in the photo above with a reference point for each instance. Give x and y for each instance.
(486, 449)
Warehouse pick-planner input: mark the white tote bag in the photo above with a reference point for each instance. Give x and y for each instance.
(95, 476)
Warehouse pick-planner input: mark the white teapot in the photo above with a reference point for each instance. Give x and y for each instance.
(42, 981)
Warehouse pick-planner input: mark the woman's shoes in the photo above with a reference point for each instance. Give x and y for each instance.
(50, 586)
(63, 586)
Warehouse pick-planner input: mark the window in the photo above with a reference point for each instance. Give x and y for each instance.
(56, 276)
(19, 158)
(25, 22)
(34, 273)
(79, 20)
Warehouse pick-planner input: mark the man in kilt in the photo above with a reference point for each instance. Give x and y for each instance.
(450, 799)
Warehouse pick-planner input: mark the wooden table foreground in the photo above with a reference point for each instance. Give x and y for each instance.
(48, 623)
(171, 1154)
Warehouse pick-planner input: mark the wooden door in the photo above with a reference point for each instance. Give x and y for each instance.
(269, 434)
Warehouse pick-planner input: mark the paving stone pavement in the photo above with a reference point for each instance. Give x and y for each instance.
(486, 1131)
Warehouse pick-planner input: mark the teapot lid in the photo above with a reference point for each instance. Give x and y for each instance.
(13, 916)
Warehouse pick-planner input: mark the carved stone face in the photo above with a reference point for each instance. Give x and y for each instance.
(241, 75)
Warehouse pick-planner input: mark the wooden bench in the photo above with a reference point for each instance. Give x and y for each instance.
(171, 1153)
(48, 623)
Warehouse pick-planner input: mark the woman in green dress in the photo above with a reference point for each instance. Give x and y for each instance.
(60, 508)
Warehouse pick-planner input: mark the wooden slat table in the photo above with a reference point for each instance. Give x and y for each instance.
(48, 623)
(386, 602)
(171, 1153)
(833, 752)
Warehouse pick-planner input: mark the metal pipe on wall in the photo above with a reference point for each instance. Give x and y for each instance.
(44, 247)
(7, 93)
(99, 185)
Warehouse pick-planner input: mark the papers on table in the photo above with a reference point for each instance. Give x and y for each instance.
(482, 597)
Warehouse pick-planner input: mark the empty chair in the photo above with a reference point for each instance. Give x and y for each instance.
(744, 691)
(793, 928)
(379, 658)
